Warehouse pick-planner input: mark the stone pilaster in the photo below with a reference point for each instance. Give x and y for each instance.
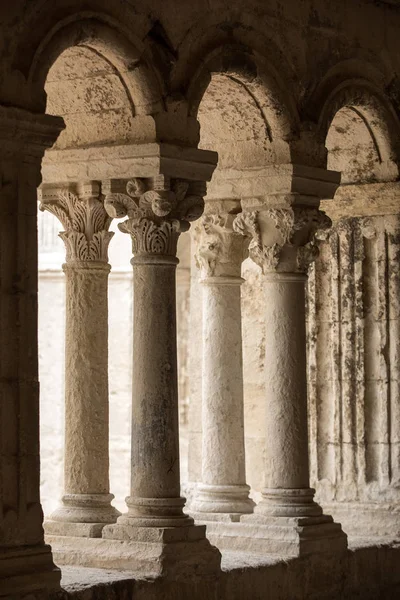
(222, 493)
(353, 371)
(158, 211)
(26, 565)
(86, 504)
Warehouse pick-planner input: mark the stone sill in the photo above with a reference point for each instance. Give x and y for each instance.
(369, 570)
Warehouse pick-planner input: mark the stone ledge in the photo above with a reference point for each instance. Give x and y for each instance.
(362, 572)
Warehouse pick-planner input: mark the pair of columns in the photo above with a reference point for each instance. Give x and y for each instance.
(281, 240)
(159, 209)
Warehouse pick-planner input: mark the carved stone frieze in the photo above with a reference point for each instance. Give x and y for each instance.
(158, 212)
(221, 249)
(283, 239)
(85, 224)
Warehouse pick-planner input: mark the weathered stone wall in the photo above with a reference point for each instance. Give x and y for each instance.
(353, 367)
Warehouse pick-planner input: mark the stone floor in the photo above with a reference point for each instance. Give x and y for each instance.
(370, 570)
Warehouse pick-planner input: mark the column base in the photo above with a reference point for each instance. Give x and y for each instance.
(149, 551)
(28, 571)
(287, 522)
(153, 512)
(82, 515)
(282, 536)
(224, 502)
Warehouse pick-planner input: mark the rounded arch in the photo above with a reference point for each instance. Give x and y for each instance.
(361, 131)
(372, 107)
(238, 64)
(105, 37)
(233, 46)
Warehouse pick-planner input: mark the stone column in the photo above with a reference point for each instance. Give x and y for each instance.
(156, 217)
(86, 504)
(26, 565)
(222, 493)
(283, 246)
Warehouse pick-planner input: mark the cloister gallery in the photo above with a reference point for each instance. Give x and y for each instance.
(249, 408)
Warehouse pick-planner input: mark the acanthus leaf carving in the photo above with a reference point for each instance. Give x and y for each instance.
(284, 220)
(295, 247)
(158, 215)
(85, 222)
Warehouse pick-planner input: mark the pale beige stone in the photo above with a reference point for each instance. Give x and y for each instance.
(156, 217)
(281, 90)
(86, 496)
(223, 487)
(283, 245)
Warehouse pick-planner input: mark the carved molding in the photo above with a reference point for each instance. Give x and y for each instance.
(158, 212)
(283, 239)
(85, 224)
(221, 250)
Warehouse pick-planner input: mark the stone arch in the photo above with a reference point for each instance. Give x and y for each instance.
(85, 46)
(127, 56)
(257, 102)
(361, 130)
(254, 58)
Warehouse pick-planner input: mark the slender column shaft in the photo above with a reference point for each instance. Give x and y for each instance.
(223, 488)
(287, 489)
(156, 217)
(86, 497)
(86, 389)
(155, 477)
(285, 382)
(222, 383)
(284, 264)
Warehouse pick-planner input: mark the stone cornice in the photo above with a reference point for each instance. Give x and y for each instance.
(128, 161)
(27, 133)
(286, 183)
(366, 199)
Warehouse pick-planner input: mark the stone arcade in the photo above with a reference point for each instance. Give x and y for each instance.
(266, 135)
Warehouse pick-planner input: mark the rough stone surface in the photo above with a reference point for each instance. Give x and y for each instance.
(223, 486)
(281, 91)
(364, 573)
(86, 496)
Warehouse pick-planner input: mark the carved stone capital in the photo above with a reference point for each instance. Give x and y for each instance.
(221, 249)
(283, 239)
(85, 222)
(158, 211)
